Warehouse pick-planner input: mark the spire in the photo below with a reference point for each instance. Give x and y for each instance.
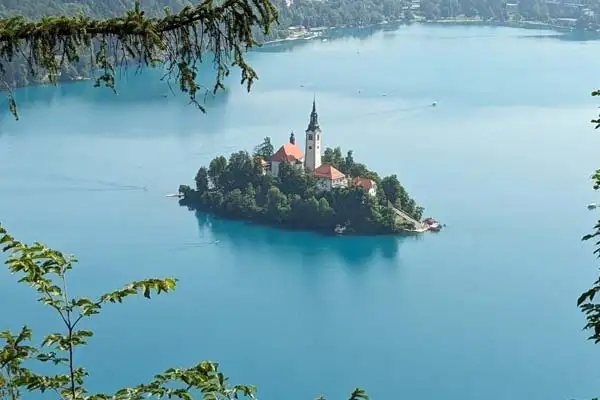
(314, 117)
(292, 138)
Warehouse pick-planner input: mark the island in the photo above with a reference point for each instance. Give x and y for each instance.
(307, 189)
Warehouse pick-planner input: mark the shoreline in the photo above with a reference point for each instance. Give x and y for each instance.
(289, 228)
(317, 32)
(48, 84)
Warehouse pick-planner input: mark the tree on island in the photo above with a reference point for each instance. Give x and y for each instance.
(398, 196)
(216, 169)
(334, 157)
(241, 188)
(347, 165)
(264, 150)
(201, 180)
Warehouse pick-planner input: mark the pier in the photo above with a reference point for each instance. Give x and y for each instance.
(419, 225)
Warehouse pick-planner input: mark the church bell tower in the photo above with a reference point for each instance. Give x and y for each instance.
(312, 153)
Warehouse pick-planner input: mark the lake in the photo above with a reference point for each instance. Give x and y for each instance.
(484, 309)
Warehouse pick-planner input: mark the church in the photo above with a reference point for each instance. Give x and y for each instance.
(327, 176)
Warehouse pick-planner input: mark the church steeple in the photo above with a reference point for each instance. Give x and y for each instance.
(312, 153)
(314, 117)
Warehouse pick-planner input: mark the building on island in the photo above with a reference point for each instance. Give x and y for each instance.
(313, 141)
(327, 176)
(367, 184)
(290, 153)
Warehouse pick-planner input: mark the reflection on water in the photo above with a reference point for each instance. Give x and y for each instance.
(141, 88)
(573, 36)
(96, 110)
(340, 33)
(356, 250)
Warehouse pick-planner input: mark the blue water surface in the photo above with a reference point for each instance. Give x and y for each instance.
(484, 309)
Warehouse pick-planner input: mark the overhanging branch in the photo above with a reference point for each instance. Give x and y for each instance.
(179, 40)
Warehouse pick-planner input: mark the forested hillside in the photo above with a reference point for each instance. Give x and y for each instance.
(36, 9)
(577, 14)
(580, 14)
(17, 72)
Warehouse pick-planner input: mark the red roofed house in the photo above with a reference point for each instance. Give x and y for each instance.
(289, 152)
(367, 184)
(328, 177)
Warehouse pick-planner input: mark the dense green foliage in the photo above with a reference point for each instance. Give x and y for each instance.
(37, 9)
(338, 13)
(239, 188)
(585, 13)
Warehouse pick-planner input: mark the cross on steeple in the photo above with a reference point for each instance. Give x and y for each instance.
(314, 117)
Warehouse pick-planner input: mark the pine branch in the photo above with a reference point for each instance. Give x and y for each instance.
(178, 41)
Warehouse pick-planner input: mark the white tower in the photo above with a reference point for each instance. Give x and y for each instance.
(312, 153)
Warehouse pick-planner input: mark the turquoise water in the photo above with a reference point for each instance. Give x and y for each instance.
(484, 309)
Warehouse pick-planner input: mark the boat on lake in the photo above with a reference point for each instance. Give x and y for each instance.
(432, 224)
(339, 229)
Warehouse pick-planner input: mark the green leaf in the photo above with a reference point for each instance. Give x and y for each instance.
(9, 246)
(5, 238)
(585, 296)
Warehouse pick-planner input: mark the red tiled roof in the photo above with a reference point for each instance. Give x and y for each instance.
(329, 172)
(364, 182)
(288, 152)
